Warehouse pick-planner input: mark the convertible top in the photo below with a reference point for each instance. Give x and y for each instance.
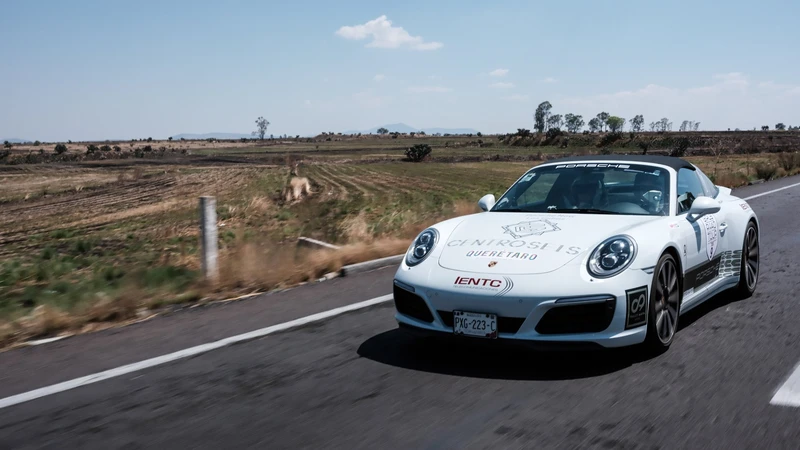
(670, 161)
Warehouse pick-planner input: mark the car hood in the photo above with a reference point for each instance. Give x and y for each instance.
(528, 243)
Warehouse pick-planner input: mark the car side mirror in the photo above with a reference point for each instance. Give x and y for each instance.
(702, 206)
(486, 202)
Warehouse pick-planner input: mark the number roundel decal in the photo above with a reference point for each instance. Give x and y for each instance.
(636, 314)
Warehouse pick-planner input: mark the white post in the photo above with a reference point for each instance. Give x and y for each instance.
(208, 237)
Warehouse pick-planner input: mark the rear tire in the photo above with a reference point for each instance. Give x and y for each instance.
(748, 270)
(664, 306)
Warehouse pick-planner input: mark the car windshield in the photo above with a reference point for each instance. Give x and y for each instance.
(590, 188)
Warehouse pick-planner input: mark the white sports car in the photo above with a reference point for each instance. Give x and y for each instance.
(595, 251)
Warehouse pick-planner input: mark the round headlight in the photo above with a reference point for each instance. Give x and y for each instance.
(612, 256)
(422, 246)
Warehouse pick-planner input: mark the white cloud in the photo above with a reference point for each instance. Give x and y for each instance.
(549, 80)
(379, 77)
(384, 35)
(426, 89)
(730, 100)
(516, 98)
(308, 102)
(501, 85)
(499, 72)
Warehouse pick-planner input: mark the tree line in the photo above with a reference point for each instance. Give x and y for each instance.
(545, 120)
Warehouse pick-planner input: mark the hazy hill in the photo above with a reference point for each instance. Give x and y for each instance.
(403, 128)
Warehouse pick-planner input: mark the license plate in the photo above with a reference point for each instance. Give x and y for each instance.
(475, 324)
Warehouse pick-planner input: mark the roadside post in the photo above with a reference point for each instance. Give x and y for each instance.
(208, 237)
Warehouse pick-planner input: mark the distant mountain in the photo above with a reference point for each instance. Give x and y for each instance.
(403, 128)
(15, 141)
(190, 136)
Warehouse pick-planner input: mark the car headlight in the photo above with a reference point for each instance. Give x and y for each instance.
(612, 256)
(422, 246)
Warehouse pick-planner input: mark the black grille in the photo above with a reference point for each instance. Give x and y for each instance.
(504, 324)
(411, 305)
(588, 318)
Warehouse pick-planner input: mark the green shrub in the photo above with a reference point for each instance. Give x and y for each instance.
(418, 152)
(105, 148)
(766, 171)
(789, 161)
(91, 149)
(681, 146)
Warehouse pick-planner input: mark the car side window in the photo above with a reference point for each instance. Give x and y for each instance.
(689, 188)
(708, 185)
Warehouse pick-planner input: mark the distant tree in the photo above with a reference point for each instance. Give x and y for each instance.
(555, 121)
(696, 126)
(684, 125)
(663, 125)
(383, 130)
(149, 139)
(637, 124)
(60, 149)
(169, 138)
(523, 132)
(540, 118)
(603, 117)
(780, 126)
(615, 124)
(7, 144)
(573, 122)
(261, 128)
(595, 125)
(478, 134)
(765, 128)
(91, 148)
(37, 143)
(653, 126)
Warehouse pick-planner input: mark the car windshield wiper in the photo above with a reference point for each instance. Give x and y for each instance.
(582, 211)
(510, 210)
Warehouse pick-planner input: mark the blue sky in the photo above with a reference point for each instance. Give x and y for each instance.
(113, 69)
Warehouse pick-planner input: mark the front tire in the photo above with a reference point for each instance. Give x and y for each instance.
(748, 271)
(665, 303)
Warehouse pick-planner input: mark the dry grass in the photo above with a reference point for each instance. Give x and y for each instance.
(731, 179)
(250, 266)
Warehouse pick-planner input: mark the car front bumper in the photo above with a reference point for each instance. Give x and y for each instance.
(551, 309)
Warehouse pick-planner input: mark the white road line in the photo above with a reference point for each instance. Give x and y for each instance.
(157, 361)
(789, 393)
(770, 192)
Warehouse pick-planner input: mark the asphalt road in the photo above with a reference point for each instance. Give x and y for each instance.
(354, 381)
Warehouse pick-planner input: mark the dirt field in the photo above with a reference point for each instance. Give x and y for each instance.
(99, 241)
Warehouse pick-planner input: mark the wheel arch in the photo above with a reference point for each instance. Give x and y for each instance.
(673, 251)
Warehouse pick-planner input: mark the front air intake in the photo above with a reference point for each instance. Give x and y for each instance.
(411, 305)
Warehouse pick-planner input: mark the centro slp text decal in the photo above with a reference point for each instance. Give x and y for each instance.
(485, 284)
(530, 228)
(516, 244)
(636, 315)
(501, 255)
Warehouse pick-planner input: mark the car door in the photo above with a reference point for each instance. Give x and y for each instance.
(701, 236)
